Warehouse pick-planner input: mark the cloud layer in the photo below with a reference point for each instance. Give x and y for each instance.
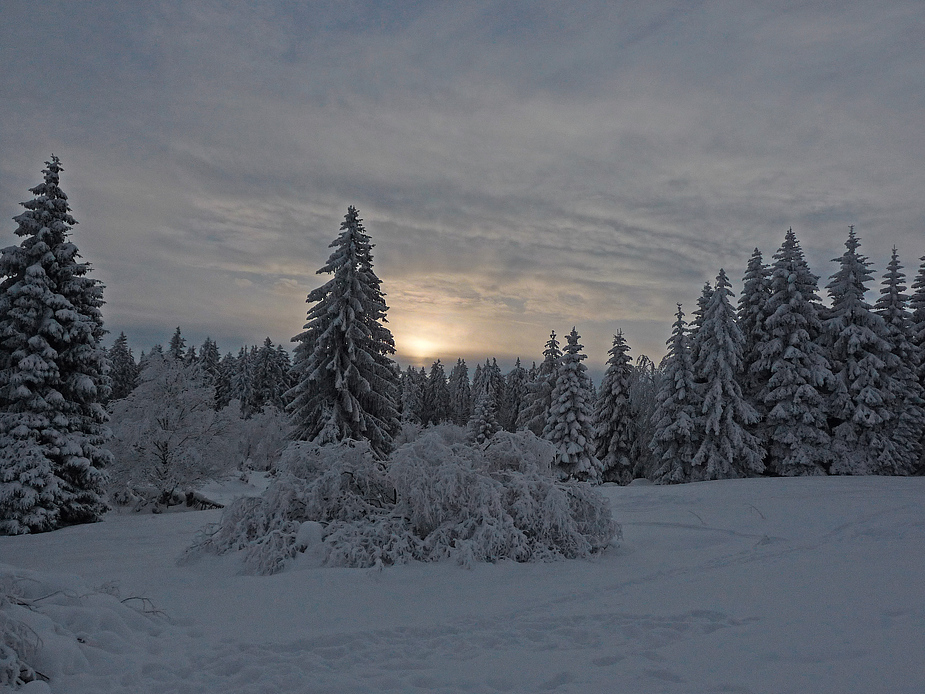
(521, 166)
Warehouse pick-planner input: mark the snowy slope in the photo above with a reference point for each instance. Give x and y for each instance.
(768, 585)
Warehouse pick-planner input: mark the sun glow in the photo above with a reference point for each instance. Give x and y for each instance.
(417, 347)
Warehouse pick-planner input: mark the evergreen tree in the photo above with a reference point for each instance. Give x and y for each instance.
(751, 317)
(242, 382)
(539, 392)
(675, 415)
(346, 386)
(123, 371)
(614, 433)
(515, 389)
(917, 321)
(223, 388)
(726, 448)
(52, 372)
(412, 396)
(209, 362)
(568, 425)
(794, 397)
(484, 423)
(436, 396)
(270, 376)
(494, 382)
(703, 301)
(177, 348)
(864, 404)
(900, 375)
(460, 393)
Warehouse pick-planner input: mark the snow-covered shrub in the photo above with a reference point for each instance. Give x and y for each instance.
(167, 436)
(18, 643)
(262, 438)
(432, 500)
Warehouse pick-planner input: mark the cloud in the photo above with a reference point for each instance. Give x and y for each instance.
(520, 166)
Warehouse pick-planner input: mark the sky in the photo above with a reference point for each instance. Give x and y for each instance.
(521, 167)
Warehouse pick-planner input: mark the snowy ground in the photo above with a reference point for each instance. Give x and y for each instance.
(780, 585)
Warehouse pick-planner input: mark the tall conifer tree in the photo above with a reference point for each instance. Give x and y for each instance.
(539, 391)
(53, 372)
(614, 433)
(863, 404)
(675, 411)
(798, 438)
(727, 448)
(346, 385)
(568, 424)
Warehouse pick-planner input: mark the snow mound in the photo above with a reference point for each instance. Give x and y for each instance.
(435, 499)
(53, 627)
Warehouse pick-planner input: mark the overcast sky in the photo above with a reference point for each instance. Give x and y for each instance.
(521, 166)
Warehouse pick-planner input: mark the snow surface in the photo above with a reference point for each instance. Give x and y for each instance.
(760, 585)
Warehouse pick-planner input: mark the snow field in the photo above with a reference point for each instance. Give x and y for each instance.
(749, 586)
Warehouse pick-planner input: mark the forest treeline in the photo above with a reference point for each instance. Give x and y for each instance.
(780, 384)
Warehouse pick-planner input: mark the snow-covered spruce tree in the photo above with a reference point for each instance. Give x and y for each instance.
(210, 362)
(53, 373)
(751, 316)
(346, 384)
(798, 438)
(123, 371)
(436, 396)
(515, 389)
(177, 346)
(242, 381)
(412, 395)
(726, 449)
(539, 391)
(460, 393)
(569, 424)
(226, 370)
(908, 425)
(917, 327)
(673, 443)
(270, 376)
(614, 434)
(703, 301)
(864, 403)
(484, 422)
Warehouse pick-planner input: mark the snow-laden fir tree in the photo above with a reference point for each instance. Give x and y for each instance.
(539, 391)
(436, 396)
(798, 440)
(727, 449)
(917, 319)
(460, 393)
(177, 346)
(123, 372)
(917, 336)
(53, 372)
(226, 371)
(515, 389)
(751, 316)
(676, 411)
(569, 425)
(242, 381)
(484, 422)
(209, 362)
(908, 425)
(346, 384)
(269, 376)
(412, 384)
(614, 432)
(864, 403)
(694, 328)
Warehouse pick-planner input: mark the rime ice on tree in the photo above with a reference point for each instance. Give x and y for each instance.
(52, 373)
(346, 385)
(726, 448)
(794, 397)
(675, 413)
(568, 424)
(613, 426)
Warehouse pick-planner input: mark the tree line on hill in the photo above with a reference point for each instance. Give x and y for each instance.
(782, 384)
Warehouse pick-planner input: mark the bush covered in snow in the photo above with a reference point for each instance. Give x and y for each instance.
(433, 499)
